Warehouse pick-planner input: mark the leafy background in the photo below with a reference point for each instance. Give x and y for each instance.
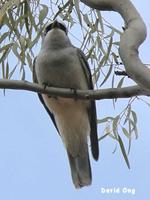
(22, 25)
(22, 28)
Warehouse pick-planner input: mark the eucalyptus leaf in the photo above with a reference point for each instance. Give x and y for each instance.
(43, 13)
(123, 151)
(126, 133)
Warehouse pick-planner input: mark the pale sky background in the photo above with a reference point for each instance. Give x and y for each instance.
(33, 161)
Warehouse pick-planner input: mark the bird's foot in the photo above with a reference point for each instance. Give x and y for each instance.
(75, 93)
(46, 84)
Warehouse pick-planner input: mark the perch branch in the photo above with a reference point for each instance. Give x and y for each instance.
(110, 93)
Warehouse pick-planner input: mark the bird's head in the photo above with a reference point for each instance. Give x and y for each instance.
(56, 25)
(55, 35)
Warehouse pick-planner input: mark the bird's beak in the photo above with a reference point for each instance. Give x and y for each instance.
(55, 24)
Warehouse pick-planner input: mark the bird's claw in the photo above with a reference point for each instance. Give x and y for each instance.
(75, 93)
(45, 84)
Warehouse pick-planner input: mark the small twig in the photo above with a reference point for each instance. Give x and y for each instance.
(121, 73)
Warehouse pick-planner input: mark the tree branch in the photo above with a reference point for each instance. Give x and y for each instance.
(121, 73)
(131, 39)
(110, 93)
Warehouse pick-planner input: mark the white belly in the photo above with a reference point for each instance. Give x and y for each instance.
(72, 120)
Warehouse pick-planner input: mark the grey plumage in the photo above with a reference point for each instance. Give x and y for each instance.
(60, 64)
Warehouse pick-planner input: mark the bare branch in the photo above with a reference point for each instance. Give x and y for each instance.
(110, 93)
(131, 39)
(121, 73)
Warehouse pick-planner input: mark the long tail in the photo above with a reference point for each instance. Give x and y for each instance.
(80, 168)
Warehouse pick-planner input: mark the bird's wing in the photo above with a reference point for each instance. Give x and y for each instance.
(92, 109)
(35, 80)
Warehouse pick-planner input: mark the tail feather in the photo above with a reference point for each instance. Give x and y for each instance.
(80, 169)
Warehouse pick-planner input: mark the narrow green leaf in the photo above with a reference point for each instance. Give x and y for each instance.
(120, 82)
(100, 20)
(5, 49)
(115, 57)
(22, 72)
(26, 11)
(126, 133)
(120, 85)
(108, 74)
(90, 51)
(104, 120)
(12, 21)
(32, 43)
(7, 5)
(116, 43)
(134, 116)
(29, 59)
(136, 133)
(129, 146)
(2, 37)
(43, 13)
(7, 71)
(109, 49)
(115, 149)
(134, 128)
(95, 77)
(15, 51)
(128, 115)
(113, 83)
(12, 72)
(32, 20)
(87, 21)
(102, 137)
(123, 151)
(112, 136)
(77, 7)
(13, 24)
(3, 69)
(115, 126)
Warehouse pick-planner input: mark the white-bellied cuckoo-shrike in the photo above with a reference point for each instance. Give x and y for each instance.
(60, 64)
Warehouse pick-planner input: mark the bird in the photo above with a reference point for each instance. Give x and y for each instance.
(62, 65)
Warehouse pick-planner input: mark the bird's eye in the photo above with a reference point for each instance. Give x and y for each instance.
(62, 27)
(47, 29)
